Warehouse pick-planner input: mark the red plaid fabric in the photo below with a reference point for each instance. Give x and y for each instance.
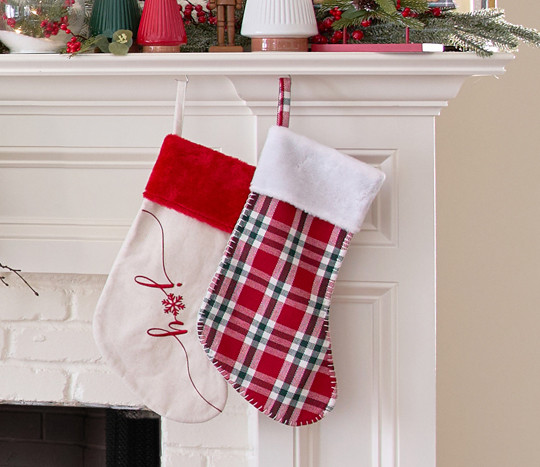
(284, 102)
(264, 320)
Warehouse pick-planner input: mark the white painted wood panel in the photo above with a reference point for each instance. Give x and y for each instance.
(78, 138)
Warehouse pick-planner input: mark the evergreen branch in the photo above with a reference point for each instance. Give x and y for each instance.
(468, 42)
(412, 23)
(396, 18)
(17, 272)
(420, 6)
(327, 5)
(487, 28)
(480, 31)
(527, 35)
(388, 6)
(384, 33)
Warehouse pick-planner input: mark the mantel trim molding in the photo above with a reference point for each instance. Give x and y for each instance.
(309, 63)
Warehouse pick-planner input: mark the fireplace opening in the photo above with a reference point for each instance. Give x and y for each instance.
(51, 436)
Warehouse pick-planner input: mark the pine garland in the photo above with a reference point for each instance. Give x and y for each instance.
(482, 31)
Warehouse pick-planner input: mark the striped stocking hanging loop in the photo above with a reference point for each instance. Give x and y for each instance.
(284, 101)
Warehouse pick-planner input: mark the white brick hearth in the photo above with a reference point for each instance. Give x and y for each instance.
(48, 356)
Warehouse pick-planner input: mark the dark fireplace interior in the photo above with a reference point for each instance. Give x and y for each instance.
(50, 436)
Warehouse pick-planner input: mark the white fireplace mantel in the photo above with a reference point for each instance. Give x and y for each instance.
(78, 139)
(135, 84)
(96, 121)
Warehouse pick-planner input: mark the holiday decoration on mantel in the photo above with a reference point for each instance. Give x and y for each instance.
(366, 22)
(120, 44)
(225, 22)
(200, 25)
(109, 16)
(279, 25)
(44, 26)
(161, 28)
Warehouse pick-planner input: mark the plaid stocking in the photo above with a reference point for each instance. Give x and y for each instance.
(264, 320)
(145, 322)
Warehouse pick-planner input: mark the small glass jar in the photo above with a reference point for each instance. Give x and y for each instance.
(39, 26)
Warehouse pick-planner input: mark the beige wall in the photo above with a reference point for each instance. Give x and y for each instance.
(488, 188)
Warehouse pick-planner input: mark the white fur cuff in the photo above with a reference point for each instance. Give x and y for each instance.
(315, 178)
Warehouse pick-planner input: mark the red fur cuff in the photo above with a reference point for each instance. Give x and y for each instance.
(200, 182)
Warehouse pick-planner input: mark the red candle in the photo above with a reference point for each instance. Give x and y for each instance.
(161, 28)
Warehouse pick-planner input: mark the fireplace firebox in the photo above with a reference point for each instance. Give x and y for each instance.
(53, 436)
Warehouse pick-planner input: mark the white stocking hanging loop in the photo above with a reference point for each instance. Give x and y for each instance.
(284, 101)
(179, 106)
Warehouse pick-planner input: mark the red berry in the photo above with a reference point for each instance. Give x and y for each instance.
(198, 7)
(338, 35)
(366, 23)
(336, 12)
(201, 19)
(212, 20)
(436, 11)
(398, 4)
(406, 12)
(73, 47)
(357, 35)
(327, 23)
(68, 31)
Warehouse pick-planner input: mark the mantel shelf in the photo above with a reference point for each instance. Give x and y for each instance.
(238, 83)
(235, 64)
